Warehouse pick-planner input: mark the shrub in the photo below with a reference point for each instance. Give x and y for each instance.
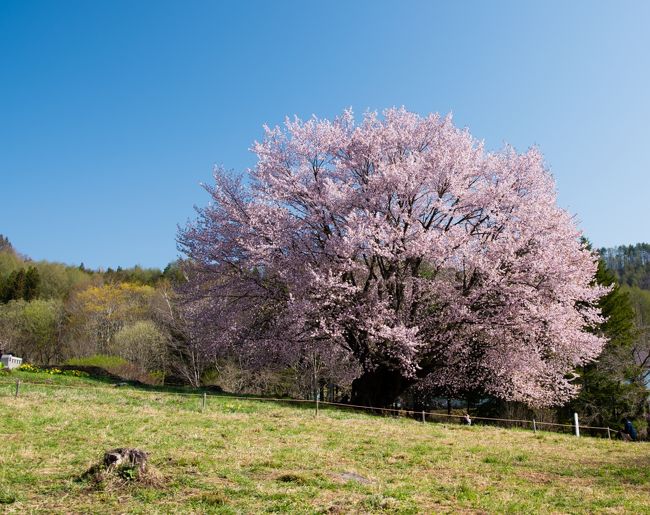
(28, 367)
(98, 360)
(75, 373)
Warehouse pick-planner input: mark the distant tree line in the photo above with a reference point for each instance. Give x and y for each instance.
(51, 312)
(129, 320)
(630, 264)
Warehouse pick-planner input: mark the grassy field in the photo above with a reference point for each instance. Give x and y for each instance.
(244, 456)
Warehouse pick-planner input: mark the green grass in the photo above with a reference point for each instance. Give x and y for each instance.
(98, 360)
(245, 456)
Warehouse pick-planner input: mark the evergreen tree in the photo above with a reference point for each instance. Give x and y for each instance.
(14, 286)
(21, 284)
(5, 244)
(32, 284)
(611, 386)
(173, 272)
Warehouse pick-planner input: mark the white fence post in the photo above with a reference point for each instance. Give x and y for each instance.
(534, 426)
(577, 424)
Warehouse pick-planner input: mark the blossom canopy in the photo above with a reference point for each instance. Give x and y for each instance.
(402, 244)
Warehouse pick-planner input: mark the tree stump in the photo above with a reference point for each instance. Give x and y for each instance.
(125, 458)
(121, 466)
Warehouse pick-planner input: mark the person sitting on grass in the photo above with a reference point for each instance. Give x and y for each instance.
(629, 433)
(467, 420)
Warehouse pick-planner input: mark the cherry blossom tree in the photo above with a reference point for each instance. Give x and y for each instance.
(402, 244)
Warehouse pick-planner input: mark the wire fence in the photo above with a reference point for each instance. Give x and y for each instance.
(317, 405)
(435, 416)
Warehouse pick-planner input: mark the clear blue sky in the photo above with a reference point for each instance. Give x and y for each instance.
(112, 113)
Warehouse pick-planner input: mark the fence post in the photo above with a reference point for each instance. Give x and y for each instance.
(317, 402)
(609, 434)
(17, 387)
(205, 395)
(534, 426)
(423, 417)
(577, 424)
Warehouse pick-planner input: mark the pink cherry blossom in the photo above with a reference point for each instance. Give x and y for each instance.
(401, 244)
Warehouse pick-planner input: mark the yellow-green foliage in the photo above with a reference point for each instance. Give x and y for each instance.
(98, 313)
(111, 300)
(58, 280)
(28, 367)
(98, 360)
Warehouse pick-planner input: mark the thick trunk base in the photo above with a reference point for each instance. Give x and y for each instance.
(378, 388)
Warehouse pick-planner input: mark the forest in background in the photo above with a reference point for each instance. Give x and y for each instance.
(52, 312)
(124, 320)
(129, 321)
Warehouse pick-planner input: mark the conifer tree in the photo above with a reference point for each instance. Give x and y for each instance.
(610, 385)
(14, 287)
(5, 244)
(32, 284)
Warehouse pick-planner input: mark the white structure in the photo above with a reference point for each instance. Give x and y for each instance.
(10, 361)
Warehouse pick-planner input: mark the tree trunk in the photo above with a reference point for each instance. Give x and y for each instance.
(378, 388)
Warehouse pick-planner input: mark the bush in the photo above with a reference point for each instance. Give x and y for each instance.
(117, 367)
(75, 373)
(98, 360)
(143, 344)
(28, 367)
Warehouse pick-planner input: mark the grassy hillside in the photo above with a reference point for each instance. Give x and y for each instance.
(242, 456)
